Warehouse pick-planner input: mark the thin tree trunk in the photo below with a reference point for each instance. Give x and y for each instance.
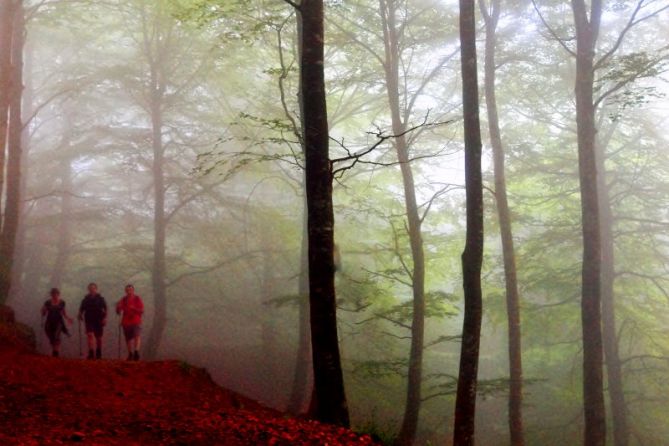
(610, 337)
(64, 224)
(472, 257)
(331, 405)
(407, 434)
(156, 47)
(302, 388)
(508, 251)
(159, 225)
(593, 394)
(10, 221)
(272, 393)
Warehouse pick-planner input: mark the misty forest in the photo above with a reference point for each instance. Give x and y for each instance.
(434, 222)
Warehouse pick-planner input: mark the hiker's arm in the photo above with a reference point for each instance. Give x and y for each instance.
(67, 318)
(104, 311)
(119, 306)
(43, 310)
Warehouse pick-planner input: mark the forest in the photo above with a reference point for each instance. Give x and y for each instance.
(432, 221)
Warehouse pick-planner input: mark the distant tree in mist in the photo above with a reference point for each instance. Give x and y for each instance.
(11, 119)
(491, 14)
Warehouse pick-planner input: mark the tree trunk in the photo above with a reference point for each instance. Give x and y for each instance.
(407, 434)
(28, 108)
(268, 290)
(610, 337)
(6, 29)
(159, 222)
(302, 388)
(331, 406)
(593, 394)
(64, 224)
(506, 234)
(472, 257)
(10, 221)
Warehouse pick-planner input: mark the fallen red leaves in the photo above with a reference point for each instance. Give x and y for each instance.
(47, 401)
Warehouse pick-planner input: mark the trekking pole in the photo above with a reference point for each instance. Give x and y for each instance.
(119, 337)
(42, 335)
(80, 349)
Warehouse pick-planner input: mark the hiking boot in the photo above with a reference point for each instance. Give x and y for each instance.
(135, 356)
(54, 354)
(91, 355)
(130, 357)
(98, 353)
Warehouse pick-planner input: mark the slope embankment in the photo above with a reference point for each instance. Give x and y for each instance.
(52, 401)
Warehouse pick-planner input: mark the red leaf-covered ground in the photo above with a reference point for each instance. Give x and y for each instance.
(50, 401)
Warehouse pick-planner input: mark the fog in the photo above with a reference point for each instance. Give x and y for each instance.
(162, 147)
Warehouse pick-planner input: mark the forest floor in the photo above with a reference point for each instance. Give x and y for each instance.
(51, 401)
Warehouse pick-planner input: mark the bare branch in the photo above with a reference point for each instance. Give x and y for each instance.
(551, 31)
(633, 21)
(356, 158)
(293, 4)
(208, 269)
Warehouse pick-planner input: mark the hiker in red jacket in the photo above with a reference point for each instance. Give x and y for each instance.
(132, 307)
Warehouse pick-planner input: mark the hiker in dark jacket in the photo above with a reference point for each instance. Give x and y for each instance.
(93, 311)
(54, 325)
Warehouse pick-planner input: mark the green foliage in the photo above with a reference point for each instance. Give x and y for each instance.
(381, 431)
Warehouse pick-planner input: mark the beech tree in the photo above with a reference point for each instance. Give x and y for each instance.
(13, 146)
(329, 395)
(472, 257)
(491, 16)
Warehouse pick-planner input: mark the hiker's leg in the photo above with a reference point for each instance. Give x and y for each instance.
(53, 340)
(98, 345)
(56, 341)
(90, 339)
(137, 331)
(127, 335)
(135, 353)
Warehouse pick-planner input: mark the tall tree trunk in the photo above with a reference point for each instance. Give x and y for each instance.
(331, 405)
(158, 271)
(587, 30)
(10, 221)
(508, 251)
(472, 257)
(610, 337)
(407, 434)
(302, 388)
(6, 31)
(16, 291)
